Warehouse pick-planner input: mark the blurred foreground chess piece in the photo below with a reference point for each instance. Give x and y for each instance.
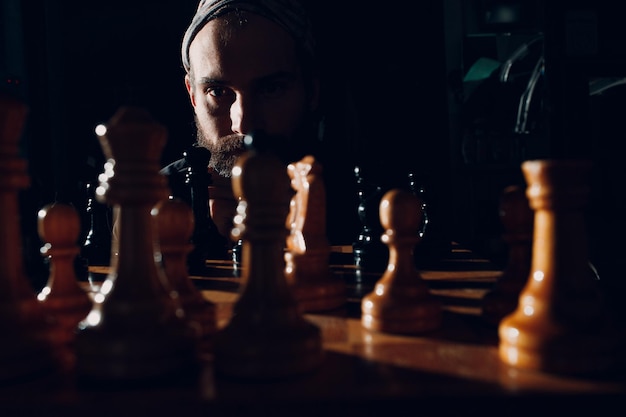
(63, 297)
(561, 323)
(175, 226)
(136, 332)
(308, 251)
(401, 301)
(26, 349)
(517, 220)
(266, 337)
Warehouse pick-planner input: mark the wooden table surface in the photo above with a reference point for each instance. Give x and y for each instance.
(454, 370)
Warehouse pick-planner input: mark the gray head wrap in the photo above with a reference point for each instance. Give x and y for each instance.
(289, 14)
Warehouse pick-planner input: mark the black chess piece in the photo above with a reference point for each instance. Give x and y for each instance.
(96, 248)
(236, 253)
(419, 190)
(207, 241)
(434, 244)
(370, 254)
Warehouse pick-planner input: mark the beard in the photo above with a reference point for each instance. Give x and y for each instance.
(225, 151)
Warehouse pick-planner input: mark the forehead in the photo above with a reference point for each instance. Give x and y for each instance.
(227, 49)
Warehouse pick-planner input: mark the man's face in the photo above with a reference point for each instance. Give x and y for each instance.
(244, 78)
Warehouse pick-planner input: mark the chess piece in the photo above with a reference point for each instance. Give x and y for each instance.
(420, 192)
(26, 349)
(561, 324)
(207, 242)
(369, 252)
(266, 337)
(517, 220)
(64, 299)
(96, 249)
(434, 244)
(136, 331)
(308, 251)
(401, 301)
(175, 226)
(236, 253)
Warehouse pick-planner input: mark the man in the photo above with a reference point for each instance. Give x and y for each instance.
(250, 67)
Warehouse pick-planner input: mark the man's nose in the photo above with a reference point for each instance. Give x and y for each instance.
(244, 115)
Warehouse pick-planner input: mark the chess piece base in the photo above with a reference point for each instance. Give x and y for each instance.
(558, 350)
(400, 314)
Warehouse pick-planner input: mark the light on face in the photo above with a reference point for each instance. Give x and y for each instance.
(538, 276)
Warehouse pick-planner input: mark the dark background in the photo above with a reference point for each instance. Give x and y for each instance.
(394, 90)
(78, 62)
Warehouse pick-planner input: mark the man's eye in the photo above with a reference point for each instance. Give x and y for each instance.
(274, 89)
(217, 91)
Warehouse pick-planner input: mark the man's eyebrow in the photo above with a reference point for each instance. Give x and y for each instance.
(270, 77)
(278, 75)
(209, 80)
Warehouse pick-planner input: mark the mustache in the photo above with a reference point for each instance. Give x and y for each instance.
(229, 143)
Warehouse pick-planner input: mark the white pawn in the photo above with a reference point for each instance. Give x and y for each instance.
(401, 301)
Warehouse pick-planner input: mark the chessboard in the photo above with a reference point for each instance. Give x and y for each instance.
(461, 281)
(453, 370)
